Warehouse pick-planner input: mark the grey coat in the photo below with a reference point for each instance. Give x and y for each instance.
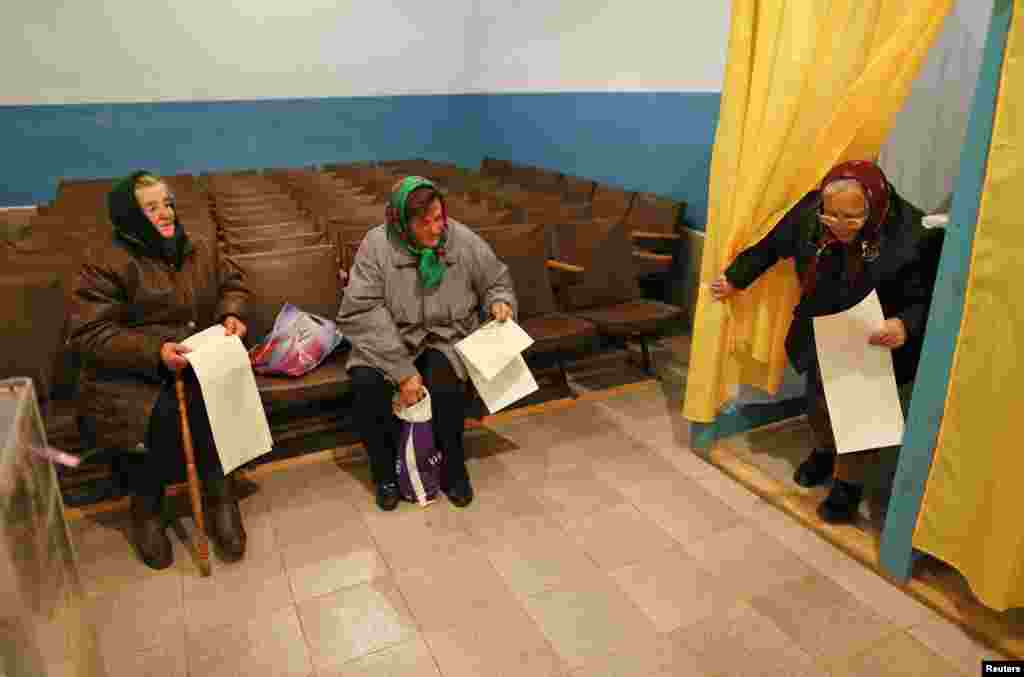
(391, 319)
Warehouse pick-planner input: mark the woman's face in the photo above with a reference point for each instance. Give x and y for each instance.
(158, 207)
(845, 213)
(428, 229)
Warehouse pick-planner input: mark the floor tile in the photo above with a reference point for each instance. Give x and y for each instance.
(450, 593)
(588, 619)
(633, 465)
(951, 642)
(139, 616)
(599, 545)
(897, 655)
(500, 643)
(617, 536)
(822, 618)
(412, 535)
(354, 622)
(753, 561)
(682, 508)
(221, 600)
(409, 659)
(534, 553)
(577, 491)
(729, 491)
(342, 556)
(266, 645)
(738, 640)
(674, 590)
(299, 523)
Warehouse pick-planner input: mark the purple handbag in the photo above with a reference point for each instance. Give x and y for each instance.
(419, 459)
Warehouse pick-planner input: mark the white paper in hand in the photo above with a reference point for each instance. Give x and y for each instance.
(491, 347)
(510, 385)
(494, 360)
(204, 337)
(237, 418)
(860, 384)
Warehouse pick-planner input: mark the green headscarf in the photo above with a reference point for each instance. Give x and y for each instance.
(431, 266)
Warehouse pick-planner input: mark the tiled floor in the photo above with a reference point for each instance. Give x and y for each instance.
(598, 545)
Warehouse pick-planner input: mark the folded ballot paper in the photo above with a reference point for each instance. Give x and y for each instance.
(493, 355)
(860, 384)
(222, 366)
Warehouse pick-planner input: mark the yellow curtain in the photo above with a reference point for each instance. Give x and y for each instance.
(971, 514)
(809, 84)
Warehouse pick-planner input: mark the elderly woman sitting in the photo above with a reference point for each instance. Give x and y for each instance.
(853, 235)
(136, 299)
(417, 287)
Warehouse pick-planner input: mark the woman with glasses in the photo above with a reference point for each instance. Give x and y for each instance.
(852, 235)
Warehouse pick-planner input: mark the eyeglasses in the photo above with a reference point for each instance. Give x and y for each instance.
(850, 222)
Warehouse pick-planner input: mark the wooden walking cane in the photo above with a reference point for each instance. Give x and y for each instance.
(202, 545)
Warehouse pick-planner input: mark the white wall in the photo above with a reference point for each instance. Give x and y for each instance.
(124, 50)
(105, 51)
(601, 45)
(922, 157)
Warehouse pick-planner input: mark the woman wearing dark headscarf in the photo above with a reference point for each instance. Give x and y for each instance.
(417, 287)
(852, 235)
(135, 300)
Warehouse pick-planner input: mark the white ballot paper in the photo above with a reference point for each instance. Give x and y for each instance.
(494, 360)
(226, 380)
(860, 385)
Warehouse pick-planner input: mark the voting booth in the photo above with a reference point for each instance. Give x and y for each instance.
(950, 496)
(954, 495)
(44, 627)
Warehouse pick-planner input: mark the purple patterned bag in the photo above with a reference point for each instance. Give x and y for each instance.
(419, 459)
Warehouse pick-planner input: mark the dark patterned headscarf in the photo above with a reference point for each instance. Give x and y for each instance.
(133, 228)
(867, 244)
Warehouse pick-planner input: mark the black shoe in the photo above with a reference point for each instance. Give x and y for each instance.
(388, 496)
(225, 527)
(460, 493)
(817, 469)
(842, 503)
(149, 533)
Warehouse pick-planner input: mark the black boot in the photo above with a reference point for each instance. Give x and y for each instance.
(817, 469)
(842, 502)
(149, 532)
(388, 496)
(225, 522)
(460, 493)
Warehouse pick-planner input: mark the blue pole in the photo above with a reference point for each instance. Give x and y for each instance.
(928, 401)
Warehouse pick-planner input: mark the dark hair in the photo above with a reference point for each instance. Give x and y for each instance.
(419, 202)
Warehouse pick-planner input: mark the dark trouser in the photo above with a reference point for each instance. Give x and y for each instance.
(378, 426)
(164, 461)
(817, 411)
(849, 467)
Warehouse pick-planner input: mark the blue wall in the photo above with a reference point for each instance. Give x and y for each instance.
(88, 141)
(654, 142)
(657, 142)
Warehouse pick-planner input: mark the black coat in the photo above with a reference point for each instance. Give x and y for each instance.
(903, 274)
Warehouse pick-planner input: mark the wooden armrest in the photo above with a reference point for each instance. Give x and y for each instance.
(651, 256)
(555, 264)
(649, 235)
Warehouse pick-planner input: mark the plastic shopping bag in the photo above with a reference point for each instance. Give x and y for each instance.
(419, 459)
(296, 345)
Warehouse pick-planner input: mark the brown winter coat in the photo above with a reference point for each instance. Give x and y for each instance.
(125, 305)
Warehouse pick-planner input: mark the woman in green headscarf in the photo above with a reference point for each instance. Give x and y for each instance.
(418, 285)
